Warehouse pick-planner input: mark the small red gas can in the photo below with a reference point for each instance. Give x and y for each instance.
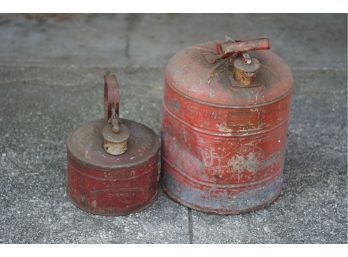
(224, 129)
(113, 163)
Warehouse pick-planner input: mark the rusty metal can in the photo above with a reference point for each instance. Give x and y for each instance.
(224, 128)
(113, 163)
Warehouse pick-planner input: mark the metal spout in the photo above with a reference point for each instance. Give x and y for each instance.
(245, 68)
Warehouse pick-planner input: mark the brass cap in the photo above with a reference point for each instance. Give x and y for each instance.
(115, 143)
(245, 73)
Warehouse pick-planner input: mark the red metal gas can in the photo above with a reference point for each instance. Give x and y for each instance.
(113, 163)
(224, 129)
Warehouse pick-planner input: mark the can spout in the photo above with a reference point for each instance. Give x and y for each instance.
(244, 66)
(115, 143)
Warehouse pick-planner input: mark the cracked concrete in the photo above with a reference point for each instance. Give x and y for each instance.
(51, 71)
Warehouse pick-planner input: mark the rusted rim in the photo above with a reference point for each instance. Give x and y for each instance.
(135, 165)
(151, 154)
(169, 81)
(215, 211)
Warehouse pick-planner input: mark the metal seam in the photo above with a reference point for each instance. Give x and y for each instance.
(118, 179)
(227, 134)
(154, 152)
(170, 84)
(219, 186)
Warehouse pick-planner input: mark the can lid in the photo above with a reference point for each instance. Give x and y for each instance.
(206, 73)
(85, 145)
(112, 142)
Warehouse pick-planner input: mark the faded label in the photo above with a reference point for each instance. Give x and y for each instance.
(239, 163)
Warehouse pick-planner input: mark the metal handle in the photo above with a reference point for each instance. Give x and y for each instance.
(115, 133)
(111, 96)
(230, 47)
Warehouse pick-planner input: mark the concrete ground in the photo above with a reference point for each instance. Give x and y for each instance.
(51, 77)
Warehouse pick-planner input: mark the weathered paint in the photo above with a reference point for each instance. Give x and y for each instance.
(105, 184)
(223, 144)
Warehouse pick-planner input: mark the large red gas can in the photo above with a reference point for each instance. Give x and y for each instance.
(224, 130)
(113, 163)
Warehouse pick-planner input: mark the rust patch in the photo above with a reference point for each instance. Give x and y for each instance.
(112, 163)
(239, 163)
(224, 129)
(222, 152)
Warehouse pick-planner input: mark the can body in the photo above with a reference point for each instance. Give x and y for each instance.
(223, 149)
(103, 184)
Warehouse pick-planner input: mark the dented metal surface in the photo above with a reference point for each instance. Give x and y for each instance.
(223, 144)
(108, 184)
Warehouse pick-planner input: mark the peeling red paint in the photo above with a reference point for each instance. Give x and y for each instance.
(223, 145)
(105, 184)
